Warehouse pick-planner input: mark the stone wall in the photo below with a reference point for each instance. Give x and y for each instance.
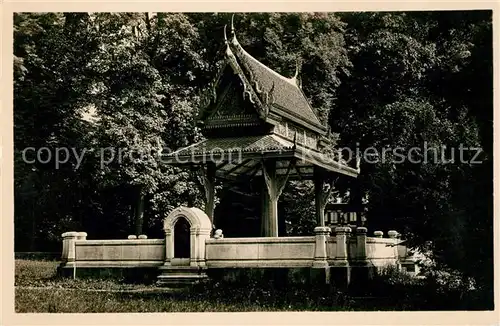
(111, 253)
(260, 252)
(340, 248)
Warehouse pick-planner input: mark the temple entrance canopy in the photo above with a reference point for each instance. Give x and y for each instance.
(259, 124)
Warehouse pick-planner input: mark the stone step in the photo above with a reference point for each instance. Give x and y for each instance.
(180, 276)
(179, 269)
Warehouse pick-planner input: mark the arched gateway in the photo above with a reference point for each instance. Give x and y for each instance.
(186, 229)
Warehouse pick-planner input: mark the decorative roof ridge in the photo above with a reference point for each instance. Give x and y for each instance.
(267, 97)
(238, 48)
(248, 90)
(293, 81)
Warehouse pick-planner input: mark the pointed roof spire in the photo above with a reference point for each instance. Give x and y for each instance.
(232, 25)
(228, 49)
(297, 68)
(295, 77)
(233, 33)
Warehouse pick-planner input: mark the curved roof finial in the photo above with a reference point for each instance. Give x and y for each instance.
(232, 24)
(297, 68)
(233, 34)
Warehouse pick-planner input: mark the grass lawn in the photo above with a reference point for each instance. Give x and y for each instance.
(38, 289)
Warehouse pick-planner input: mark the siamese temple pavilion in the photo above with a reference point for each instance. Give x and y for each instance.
(260, 131)
(259, 126)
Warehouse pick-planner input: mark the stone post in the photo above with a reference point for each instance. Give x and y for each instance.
(394, 236)
(341, 241)
(68, 252)
(194, 246)
(169, 248)
(361, 243)
(340, 273)
(320, 255)
(378, 234)
(202, 235)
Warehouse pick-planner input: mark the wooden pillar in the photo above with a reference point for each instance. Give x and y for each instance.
(264, 196)
(274, 185)
(321, 195)
(270, 200)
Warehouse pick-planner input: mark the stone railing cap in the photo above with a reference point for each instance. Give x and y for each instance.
(322, 229)
(69, 234)
(392, 233)
(361, 229)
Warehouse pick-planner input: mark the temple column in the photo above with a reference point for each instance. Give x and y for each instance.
(269, 224)
(273, 187)
(321, 195)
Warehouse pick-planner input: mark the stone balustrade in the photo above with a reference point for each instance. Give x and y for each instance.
(129, 252)
(339, 248)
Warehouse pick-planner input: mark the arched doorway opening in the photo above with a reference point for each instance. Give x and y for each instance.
(182, 241)
(186, 230)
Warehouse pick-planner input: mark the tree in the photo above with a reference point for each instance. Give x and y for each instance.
(51, 80)
(412, 82)
(142, 95)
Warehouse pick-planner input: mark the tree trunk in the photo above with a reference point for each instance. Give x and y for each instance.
(139, 214)
(33, 227)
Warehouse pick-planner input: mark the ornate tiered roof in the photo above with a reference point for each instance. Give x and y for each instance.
(286, 95)
(275, 97)
(254, 112)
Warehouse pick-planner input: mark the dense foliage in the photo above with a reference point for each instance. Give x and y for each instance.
(93, 82)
